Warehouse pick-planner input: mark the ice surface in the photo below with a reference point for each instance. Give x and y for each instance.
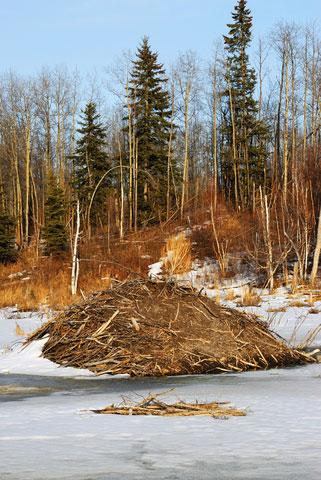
(55, 436)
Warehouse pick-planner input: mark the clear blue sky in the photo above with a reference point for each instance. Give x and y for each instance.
(91, 33)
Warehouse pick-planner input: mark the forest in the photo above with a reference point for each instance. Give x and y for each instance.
(97, 175)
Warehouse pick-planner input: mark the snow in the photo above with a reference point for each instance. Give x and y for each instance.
(10, 318)
(28, 361)
(155, 270)
(14, 359)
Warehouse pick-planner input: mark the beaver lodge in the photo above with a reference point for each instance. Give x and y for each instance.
(145, 328)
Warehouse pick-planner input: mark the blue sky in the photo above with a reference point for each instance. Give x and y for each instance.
(89, 34)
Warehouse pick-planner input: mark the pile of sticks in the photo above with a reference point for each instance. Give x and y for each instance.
(151, 405)
(145, 328)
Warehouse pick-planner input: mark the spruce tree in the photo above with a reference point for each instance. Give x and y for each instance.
(91, 161)
(151, 112)
(8, 253)
(246, 135)
(54, 232)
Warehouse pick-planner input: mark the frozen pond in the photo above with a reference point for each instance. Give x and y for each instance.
(48, 433)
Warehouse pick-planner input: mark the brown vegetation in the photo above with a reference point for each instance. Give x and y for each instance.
(46, 280)
(250, 298)
(277, 309)
(177, 255)
(298, 304)
(36, 281)
(230, 295)
(46, 283)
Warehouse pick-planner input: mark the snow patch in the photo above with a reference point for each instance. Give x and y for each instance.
(155, 270)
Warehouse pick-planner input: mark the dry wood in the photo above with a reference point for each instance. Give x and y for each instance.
(151, 405)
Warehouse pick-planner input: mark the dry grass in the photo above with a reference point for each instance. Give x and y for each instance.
(250, 298)
(298, 304)
(230, 295)
(177, 254)
(46, 281)
(316, 296)
(277, 309)
(309, 338)
(54, 293)
(20, 331)
(47, 284)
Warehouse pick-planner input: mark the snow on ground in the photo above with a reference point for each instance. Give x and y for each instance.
(155, 270)
(294, 324)
(14, 359)
(12, 322)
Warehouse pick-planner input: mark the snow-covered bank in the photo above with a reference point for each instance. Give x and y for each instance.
(28, 361)
(294, 324)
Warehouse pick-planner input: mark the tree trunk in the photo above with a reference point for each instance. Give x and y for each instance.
(184, 199)
(27, 169)
(75, 257)
(316, 255)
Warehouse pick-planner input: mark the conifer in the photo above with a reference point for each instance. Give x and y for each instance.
(246, 134)
(151, 112)
(8, 253)
(54, 231)
(91, 161)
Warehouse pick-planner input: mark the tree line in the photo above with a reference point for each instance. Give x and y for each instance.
(247, 128)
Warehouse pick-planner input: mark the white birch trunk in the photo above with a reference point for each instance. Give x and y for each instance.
(75, 258)
(316, 253)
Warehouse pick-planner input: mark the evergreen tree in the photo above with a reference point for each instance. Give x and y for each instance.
(8, 253)
(54, 232)
(246, 135)
(151, 112)
(91, 161)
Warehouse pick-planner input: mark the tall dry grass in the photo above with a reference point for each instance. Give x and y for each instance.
(177, 255)
(250, 298)
(45, 281)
